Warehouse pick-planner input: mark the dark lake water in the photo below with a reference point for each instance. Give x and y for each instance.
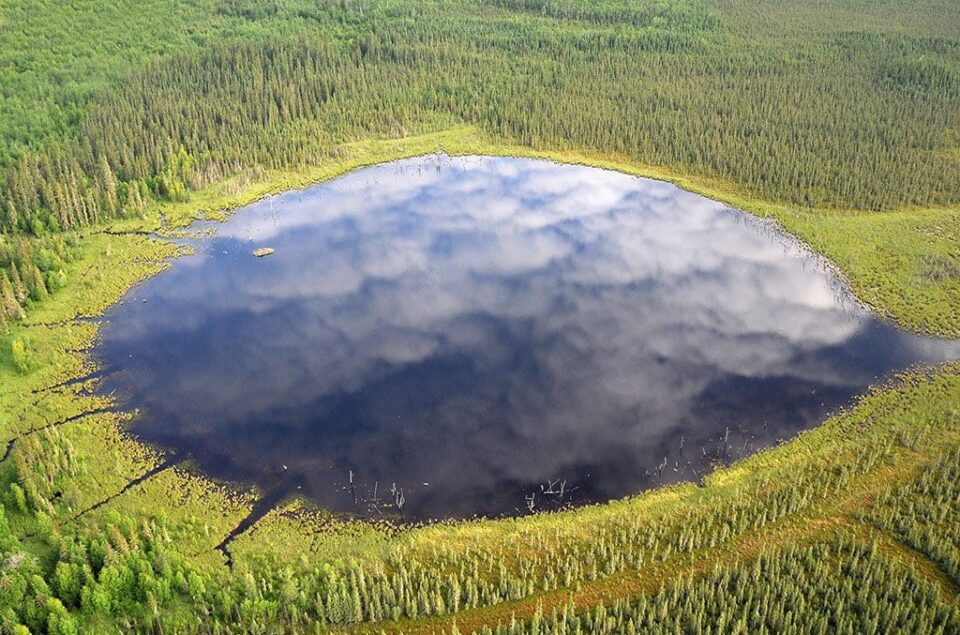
(491, 336)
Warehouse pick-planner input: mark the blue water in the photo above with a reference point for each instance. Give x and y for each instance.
(490, 336)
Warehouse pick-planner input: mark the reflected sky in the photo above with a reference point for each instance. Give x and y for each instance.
(491, 335)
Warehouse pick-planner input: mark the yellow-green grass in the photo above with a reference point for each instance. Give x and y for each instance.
(92, 461)
(29, 412)
(901, 263)
(197, 514)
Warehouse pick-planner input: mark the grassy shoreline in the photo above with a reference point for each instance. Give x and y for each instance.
(74, 452)
(889, 259)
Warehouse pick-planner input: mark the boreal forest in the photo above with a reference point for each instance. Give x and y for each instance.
(121, 123)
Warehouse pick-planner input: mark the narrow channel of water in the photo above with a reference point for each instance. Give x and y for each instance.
(489, 336)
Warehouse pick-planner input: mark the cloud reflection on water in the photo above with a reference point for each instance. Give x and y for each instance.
(485, 325)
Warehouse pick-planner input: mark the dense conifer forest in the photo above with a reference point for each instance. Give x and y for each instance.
(839, 118)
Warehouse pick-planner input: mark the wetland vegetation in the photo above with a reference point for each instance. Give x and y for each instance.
(838, 120)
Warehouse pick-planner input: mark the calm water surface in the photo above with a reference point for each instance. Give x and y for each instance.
(490, 336)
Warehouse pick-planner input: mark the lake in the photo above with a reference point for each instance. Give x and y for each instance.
(488, 336)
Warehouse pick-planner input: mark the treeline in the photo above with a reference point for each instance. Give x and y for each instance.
(814, 127)
(125, 572)
(825, 588)
(926, 514)
(30, 269)
(923, 73)
(658, 13)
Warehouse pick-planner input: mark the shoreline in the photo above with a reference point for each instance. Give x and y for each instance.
(127, 255)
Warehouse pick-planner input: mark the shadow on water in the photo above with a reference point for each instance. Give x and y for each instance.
(477, 336)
